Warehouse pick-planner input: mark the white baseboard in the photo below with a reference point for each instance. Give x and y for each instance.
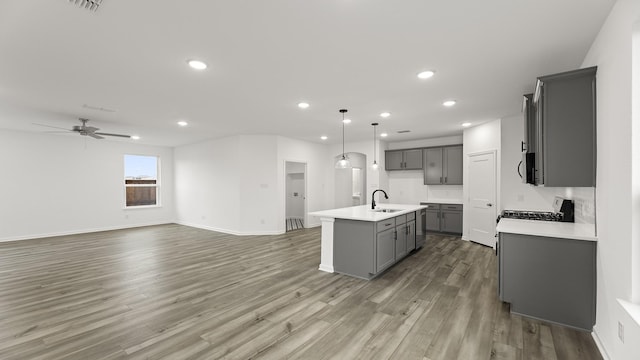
(231, 232)
(81, 231)
(326, 268)
(596, 339)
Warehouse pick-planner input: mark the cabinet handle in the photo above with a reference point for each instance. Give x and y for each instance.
(445, 179)
(395, 235)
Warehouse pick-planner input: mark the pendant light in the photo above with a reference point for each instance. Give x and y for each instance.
(374, 166)
(343, 163)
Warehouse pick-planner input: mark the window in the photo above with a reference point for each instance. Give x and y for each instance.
(141, 180)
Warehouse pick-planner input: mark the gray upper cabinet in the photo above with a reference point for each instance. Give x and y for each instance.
(433, 166)
(393, 160)
(403, 159)
(453, 165)
(564, 106)
(443, 165)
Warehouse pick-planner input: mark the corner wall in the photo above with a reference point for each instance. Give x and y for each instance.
(616, 189)
(67, 184)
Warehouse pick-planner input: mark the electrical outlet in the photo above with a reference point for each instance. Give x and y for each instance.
(621, 331)
(262, 221)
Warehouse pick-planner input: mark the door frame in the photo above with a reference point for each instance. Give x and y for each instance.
(305, 216)
(467, 197)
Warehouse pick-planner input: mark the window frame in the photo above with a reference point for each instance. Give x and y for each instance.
(157, 185)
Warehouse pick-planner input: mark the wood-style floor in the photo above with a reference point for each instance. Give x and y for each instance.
(176, 292)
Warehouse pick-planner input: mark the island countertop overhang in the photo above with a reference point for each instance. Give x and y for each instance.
(364, 212)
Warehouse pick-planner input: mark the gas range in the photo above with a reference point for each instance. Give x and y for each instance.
(531, 215)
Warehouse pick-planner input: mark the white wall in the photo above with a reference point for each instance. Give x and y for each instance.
(320, 166)
(515, 195)
(408, 186)
(66, 184)
(616, 194)
(207, 187)
(295, 195)
(484, 137)
(294, 189)
(376, 179)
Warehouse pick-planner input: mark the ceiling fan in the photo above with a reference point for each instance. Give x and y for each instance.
(85, 130)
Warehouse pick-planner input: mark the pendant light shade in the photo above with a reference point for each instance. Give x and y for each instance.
(374, 166)
(344, 162)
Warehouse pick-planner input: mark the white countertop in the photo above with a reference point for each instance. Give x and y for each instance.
(364, 212)
(548, 228)
(443, 201)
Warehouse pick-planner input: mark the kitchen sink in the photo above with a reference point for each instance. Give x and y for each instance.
(386, 210)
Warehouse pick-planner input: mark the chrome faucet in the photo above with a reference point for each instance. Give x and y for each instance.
(373, 200)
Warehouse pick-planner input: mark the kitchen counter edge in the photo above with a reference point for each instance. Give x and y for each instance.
(554, 229)
(364, 213)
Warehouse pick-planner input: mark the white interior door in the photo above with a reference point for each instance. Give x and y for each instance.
(482, 198)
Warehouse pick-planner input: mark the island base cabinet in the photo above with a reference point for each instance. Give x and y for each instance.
(385, 244)
(353, 248)
(364, 249)
(547, 278)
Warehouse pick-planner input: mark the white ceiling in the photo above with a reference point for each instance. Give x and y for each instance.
(266, 56)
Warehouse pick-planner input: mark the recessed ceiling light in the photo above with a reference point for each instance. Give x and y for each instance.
(449, 103)
(135, 137)
(385, 114)
(346, 121)
(183, 123)
(467, 124)
(384, 135)
(323, 137)
(303, 105)
(425, 74)
(197, 64)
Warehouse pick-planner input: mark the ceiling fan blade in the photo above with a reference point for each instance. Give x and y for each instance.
(118, 135)
(93, 135)
(90, 129)
(54, 127)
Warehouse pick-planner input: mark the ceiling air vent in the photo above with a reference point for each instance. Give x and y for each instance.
(91, 5)
(403, 131)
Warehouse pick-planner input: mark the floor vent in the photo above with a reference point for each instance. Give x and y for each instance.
(403, 131)
(91, 5)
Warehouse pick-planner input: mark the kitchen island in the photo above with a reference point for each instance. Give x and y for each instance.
(362, 242)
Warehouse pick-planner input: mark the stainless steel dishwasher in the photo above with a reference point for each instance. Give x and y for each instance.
(421, 228)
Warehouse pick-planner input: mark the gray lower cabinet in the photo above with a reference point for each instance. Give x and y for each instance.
(411, 236)
(451, 221)
(432, 220)
(364, 249)
(401, 236)
(385, 249)
(445, 218)
(552, 279)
